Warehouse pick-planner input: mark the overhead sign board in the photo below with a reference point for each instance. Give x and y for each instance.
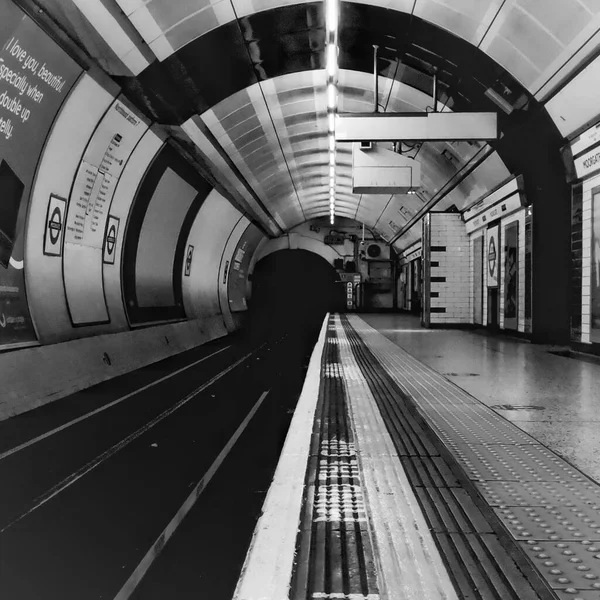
(431, 126)
(55, 226)
(483, 204)
(499, 210)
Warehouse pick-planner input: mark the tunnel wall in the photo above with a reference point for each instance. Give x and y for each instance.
(230, 320)
(71, 272)
(208, 238)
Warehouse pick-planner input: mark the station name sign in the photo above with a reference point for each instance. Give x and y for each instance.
(499, 210)
(588, 163)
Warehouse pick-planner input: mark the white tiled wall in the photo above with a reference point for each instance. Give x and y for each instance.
(586, 260)
(454, 264)
(475, 235)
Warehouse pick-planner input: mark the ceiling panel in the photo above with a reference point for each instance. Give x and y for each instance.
(468, 19)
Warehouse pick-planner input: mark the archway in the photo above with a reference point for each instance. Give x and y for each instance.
(291, 289)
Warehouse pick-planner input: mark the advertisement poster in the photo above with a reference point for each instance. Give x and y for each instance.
(492, 256)
(35, 78)
(595, 291)
(511, 275)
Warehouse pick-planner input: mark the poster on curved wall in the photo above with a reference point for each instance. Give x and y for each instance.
(238, 268)
(166, 204)
(104, 159)
(35, 79)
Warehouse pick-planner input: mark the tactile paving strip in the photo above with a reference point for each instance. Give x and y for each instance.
(334, 552)
(467, 426)
(477, 563)
(569, 566)
(515, 463)
(543, 493)
(533, 490)
(552, 523)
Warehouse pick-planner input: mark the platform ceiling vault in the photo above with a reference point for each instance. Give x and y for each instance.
(245, 81)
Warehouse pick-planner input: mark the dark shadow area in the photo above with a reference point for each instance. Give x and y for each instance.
(292, 289)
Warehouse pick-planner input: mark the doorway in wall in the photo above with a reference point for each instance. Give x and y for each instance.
(478, 281)
(511, 275)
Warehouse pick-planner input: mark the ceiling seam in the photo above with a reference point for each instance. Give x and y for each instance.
(268, 109)
(358, 207)
(280, 145)
(384, 209)
(491, 24)
(206, 131)
(589, 59)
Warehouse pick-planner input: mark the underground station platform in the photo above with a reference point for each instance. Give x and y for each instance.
(395, 483)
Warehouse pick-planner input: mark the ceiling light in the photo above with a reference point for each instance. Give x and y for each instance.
(331, 95)
(332, 159)
(331, 122)
(331, 172)
(331, 8)
(331, 220)
(331, 60)
(331, 143)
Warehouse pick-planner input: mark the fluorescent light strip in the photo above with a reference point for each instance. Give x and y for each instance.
(331, 96)
(331, 15)
(331, 60)
(332, 20)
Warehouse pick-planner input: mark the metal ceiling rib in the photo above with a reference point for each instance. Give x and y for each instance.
(274, 128)
(284, 155)
(531, 39)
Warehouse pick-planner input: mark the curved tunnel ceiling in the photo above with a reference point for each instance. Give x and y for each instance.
(248, 75)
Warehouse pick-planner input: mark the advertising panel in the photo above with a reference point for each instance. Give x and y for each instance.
(35, 78)
(511, 275)
(492, 255)
(595, 291)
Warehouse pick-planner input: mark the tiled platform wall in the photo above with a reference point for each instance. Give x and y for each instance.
(450, 270)
(586, 257)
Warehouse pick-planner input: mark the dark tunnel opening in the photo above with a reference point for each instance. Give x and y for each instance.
(293, 289)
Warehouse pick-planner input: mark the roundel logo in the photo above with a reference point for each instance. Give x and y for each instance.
(55, 225)
(111, 239)
(492, 256)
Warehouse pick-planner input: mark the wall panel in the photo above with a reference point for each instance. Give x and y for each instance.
(165, 207)
(68, 139)
(208, 236)
(225, 268)
(138, 163)
(104, 159)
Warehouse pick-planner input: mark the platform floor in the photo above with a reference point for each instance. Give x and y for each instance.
(554, 398)
(399, 480)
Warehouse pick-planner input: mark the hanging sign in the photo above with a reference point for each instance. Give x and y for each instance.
(493, 256)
